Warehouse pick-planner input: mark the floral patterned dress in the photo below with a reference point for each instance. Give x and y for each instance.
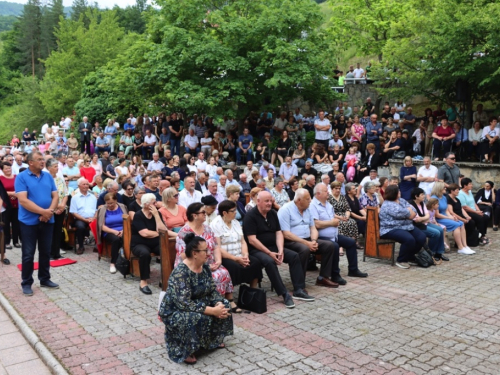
(347, 228)
(187, 328)
(221, 275)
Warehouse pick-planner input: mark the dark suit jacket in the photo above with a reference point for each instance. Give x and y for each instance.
(375, 163)
(85, 135)
(197, 186)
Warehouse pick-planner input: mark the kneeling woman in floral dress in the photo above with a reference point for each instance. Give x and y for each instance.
(194, 313)
(196, 216)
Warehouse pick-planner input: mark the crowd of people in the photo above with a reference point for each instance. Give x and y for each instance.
(286, 204)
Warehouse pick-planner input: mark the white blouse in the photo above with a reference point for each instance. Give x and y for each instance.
(230, 238)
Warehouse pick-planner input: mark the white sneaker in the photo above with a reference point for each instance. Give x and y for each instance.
(403, 265)
(112, 269)
(468, 248)
(465, 251)
(62, 252)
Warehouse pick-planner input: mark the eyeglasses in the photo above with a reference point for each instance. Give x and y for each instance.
(129, 189)
(451, 158)
(176, 196)
(201, 213)
(206, 250)
(233, 210)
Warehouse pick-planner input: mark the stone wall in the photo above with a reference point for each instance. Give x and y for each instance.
(479, 173)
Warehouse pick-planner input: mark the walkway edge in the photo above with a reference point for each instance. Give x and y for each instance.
(52, 363)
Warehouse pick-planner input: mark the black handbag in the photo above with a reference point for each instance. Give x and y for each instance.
(424, 258)
(122, 264)
(252, 299)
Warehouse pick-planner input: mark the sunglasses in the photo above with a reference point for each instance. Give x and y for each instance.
(201, 213)
(176, 196)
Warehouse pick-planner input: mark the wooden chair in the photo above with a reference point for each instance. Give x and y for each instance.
(374, 246)
(69, 224)
(247, 198)
(167, 258)
(127, 251)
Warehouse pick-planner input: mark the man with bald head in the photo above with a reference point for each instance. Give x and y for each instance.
(83, 208)
(266, 242)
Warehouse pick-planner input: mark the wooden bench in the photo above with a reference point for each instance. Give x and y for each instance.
(69, 225)
(167, 253)
(374, 246)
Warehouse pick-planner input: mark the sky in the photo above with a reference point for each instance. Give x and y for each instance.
(102, 3)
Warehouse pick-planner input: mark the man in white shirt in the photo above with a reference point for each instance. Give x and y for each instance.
(44, 128)
(201, 164)
(359, 72)
(325, 179)
(264, 168)
(149, 144)
(189, 194)
(395, 115)
(155, 164)
(67, 123)
(18, 164)
(249, 169)
(297, 115)
(427, 176)
(323, 129)
(212, 189)
(221, 186)
(280, 124)
(191, 143)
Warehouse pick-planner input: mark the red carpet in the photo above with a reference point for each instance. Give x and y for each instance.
(53, 263)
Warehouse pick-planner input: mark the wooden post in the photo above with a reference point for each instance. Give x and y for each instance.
(167, 258)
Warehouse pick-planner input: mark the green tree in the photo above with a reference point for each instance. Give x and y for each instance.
(225, 57)
(365, 24)
(51, 14)
(81, 50)
(29, 38)
(460, 41)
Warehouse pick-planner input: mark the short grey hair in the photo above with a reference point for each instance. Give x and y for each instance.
(175, 175)
(300, 194)
(317, 187)
(310, 177)
(138, 189)
(212, 181)
(349, 186)
(147, 198)
(277, 180)
(201, 174)
(227, 171)
(241, 175)
(323, 176)
(112, 184)
(50, 162)
(80, 180)
(369, 185)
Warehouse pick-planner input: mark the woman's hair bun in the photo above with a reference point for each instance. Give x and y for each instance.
(188, 238)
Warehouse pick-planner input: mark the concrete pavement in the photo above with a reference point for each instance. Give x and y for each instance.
(441, 320)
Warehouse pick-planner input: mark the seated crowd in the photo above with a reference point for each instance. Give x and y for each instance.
(230, 222)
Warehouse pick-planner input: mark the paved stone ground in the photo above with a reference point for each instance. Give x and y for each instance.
(441, 320)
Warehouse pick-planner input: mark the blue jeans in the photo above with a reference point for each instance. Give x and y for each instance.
(300, 163)
(435, 234)
(175, 146)
(30, 235)
(411, 242)
(239, 152)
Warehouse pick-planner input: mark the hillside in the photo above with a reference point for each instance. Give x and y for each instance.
(8, 8)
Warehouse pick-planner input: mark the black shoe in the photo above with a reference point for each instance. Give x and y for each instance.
(339, 280)
(146, 290)
(49, 284)
(302, 295)
(357, 273)
(6, 261)
(8, 247)
(17, 245)
(288, 301)
(27, 291)
(442, 257)
(158, 260)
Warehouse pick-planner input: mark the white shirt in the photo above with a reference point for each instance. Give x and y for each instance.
(150, 139)
(211, 170)
(248, 172)
(44, 128)
(155, 165)
(192, 141)
(222, 190)
(332, 143)
(230, 237)
(16, 167)
(233, 182)
(396, 117)
(186, 198)
(423, 171)
(280, 124)
(67, 123)
(367, 179)
(201, 165)
(358, 72)
(323, 134)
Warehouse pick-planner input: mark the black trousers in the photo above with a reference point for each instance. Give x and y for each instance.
(289, 257)
(82, 229)
(10, 217)
(85, 143)
(481, 222)
(116, 243)
(57, 236)
(350, 249)
(143, 252)
(325, 248)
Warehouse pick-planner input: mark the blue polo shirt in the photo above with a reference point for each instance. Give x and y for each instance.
(39, 191)
(291, 220)
(324, 213)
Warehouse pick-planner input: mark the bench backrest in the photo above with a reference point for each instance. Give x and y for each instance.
(168, 253)
(127, 236)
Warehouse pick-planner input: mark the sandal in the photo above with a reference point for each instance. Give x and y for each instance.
(221, 346)
(191, 360)
(235, 309)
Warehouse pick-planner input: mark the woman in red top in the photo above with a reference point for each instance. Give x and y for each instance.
(9, 216)
(442, 138)
(87, 171)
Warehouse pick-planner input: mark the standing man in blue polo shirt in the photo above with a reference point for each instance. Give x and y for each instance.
(244, 146)
(38, 199)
